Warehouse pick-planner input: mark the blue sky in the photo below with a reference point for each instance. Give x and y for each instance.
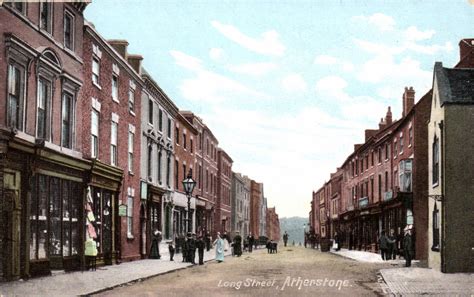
(289, 86)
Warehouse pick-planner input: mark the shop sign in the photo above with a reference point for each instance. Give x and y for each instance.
(144, 190)
(123, 210)
(388, 196)
(363, 202)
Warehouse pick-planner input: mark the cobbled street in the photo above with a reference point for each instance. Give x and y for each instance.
(293, 271)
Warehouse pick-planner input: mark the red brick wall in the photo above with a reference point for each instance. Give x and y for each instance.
(129, 247)
(24, 27)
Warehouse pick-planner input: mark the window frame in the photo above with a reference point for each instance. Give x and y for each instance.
(131, 139)
(47, 108)
(95, 138)
(96, 76)
(20, 97)
(67, 13)
(72, 119)
(435, 161)
(115, 87)
(49, 26)
(114, 144)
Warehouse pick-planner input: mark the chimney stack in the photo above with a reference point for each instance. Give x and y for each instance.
(408, 100)
(388, 117)
(381, 124)
(136, 62)
(120, 46)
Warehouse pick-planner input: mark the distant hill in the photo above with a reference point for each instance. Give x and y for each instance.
(294, 227)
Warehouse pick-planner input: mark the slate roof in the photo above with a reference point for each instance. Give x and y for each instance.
(455, 85)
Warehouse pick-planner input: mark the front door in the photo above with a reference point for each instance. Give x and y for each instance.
(10, 237)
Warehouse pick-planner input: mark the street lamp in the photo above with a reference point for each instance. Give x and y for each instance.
(188, 184)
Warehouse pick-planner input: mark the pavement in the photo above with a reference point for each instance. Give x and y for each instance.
(370, 257)
(414, 281)
(104, 278)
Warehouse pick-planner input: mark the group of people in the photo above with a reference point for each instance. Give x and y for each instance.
(189, 244)
(311, 239)
(389, 246)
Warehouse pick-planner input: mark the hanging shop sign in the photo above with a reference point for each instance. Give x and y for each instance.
(122, 210)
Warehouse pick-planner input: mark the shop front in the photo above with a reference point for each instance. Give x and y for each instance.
(102, 221)
(41, 197)
(151, 216)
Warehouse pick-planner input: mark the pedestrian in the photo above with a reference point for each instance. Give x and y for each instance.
(219, 243)
(285, 238)
(251, 240)
(155, 245)
(192, 248)
(184, 248)
(200, 244)
(208, 241)
(171, 250)
(237, 244)
(392, 248)
(383, 245)
(337, 242)
(408, 246)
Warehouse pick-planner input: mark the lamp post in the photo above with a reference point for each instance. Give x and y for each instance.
(188, 184)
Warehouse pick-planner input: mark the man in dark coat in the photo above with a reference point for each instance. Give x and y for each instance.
(251, 241)
(200, 244)
(285, 238)
(184, 248)
(238, 244)
(171, 250)
(191, 248)
(408, 247)
(208, 241)
(392, 245)
(383, 244)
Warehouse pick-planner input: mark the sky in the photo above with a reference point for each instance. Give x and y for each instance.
(288, 87)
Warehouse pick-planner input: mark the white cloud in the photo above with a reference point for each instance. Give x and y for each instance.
(210, 86)
(267, 44)
(216, 54)
(332, 86)
(412, 33)
(294, 83)
(325, 60)
(382, 21)
(254, 69)
(186, 61)
(330, 61)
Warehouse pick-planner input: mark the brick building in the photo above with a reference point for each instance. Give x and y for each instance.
(206, 176)
(376, 187)
(273, 224)
(185, 136)
(42, 173)
(255, 207)
(111, 127)
(224, 185)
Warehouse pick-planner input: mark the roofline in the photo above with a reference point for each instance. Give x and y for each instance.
(89, 28)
